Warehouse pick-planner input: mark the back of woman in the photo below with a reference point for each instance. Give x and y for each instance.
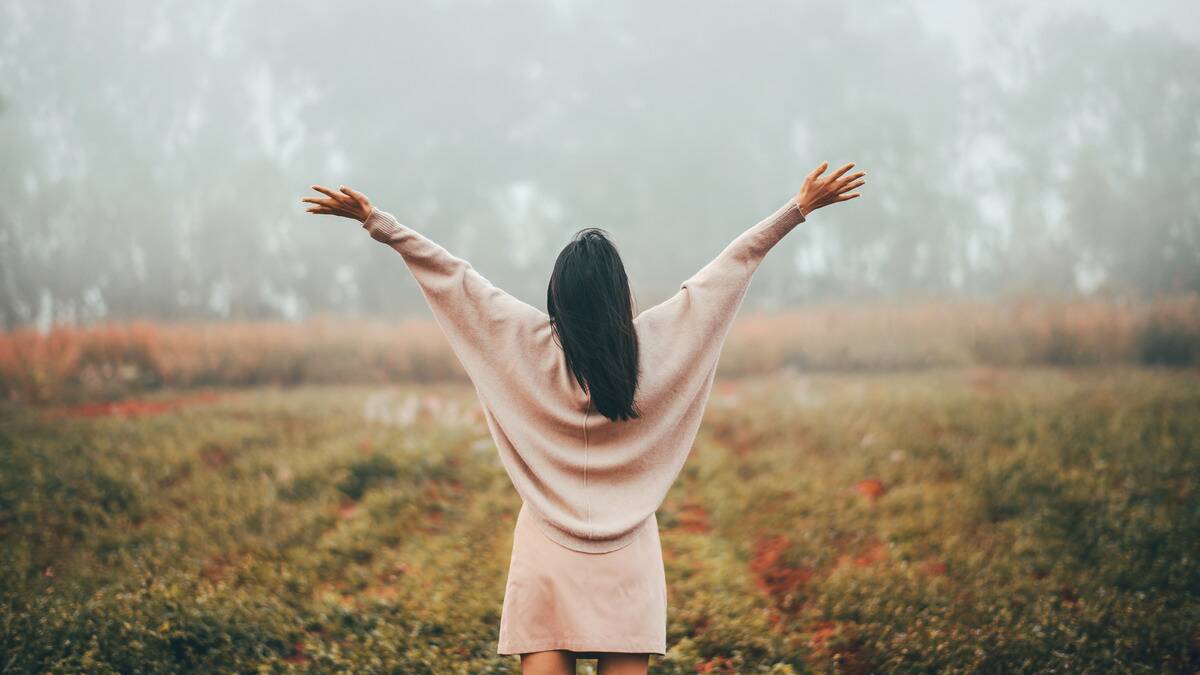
(593, 411)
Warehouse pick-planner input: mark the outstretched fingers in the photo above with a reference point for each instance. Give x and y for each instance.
(326, 207)
(336, 203)
(335, 196)
(359, 198)
(844, 182)
(328, 203)
(850, 186)
(817, 172)
(347, 202)
(839, 172)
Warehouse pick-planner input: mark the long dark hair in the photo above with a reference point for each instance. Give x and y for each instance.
(591, 311)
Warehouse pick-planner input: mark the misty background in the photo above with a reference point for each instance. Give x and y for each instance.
(154, 154)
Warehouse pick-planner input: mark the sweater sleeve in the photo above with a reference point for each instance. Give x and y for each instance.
(712, 295)
(478, 318)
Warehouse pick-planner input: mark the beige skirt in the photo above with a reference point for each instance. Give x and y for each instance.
(559, 598)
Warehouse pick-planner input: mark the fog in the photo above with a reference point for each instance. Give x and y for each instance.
(154, 154)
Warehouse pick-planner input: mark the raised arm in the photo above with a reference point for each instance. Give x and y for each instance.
(706, 302)
(477, 317)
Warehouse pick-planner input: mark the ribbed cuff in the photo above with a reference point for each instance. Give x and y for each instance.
(381, 225)
(794, 203)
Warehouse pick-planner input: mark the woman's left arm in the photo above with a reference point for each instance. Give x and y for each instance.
(479, 319)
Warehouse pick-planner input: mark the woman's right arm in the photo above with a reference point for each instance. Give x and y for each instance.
(486, 326)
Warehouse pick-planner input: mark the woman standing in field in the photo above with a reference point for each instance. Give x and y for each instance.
(593, 411)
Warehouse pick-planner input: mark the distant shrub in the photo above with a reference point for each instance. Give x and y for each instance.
(114, 359)
(1170, 336)
(366, 473)
(302, 488)
(110, 361)
(37, 367)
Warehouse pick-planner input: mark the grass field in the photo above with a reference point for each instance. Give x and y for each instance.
(999, 520)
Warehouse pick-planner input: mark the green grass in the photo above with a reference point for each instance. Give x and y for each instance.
(1031, 520)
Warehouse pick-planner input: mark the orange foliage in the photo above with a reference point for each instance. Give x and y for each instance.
(693, 519)
(111, 360)
(135, 407)
(872, 489)
(778, 580)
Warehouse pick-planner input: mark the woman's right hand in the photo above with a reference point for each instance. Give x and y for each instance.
(819, 191)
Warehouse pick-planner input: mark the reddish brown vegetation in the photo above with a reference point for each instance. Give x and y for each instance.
(934, 568)
(874, 552)
(386, 593)
(821, 632)
(717, 664)
(110, 360)
(781, 582)
(987, 380)
(837, 641)
(440, 490)
(693, 518)
(216, 568)
(784, 583)
(215, 455)
(871, 489)
(1016, 332)
(297, 657)
(136, 407)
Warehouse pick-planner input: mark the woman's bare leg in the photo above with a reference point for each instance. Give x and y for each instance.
(614, 663)
(555, 662)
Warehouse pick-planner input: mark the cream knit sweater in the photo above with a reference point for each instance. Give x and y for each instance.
(590, 482)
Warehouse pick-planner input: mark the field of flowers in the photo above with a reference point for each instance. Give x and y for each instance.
(958, 519)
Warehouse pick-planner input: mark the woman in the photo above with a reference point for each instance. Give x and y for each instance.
(593, 411)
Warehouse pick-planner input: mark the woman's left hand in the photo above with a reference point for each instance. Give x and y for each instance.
(819, 191)
(348, 203)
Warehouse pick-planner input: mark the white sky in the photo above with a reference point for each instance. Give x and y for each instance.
(965, 22)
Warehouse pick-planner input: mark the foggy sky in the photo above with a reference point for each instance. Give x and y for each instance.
(154, 154)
